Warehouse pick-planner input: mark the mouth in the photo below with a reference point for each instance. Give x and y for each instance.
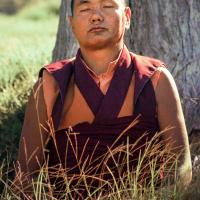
(97, 29)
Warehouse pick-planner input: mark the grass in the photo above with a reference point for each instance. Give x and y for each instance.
(129, 184)
(26, 44)
(27, 41)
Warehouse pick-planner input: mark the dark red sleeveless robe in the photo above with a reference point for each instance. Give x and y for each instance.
(92, 142)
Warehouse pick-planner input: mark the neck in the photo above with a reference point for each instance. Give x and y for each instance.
(98, 60)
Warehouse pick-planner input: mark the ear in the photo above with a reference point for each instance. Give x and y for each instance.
(127, 11)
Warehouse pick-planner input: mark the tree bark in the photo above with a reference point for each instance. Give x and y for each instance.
(168, 30)
(65, 46)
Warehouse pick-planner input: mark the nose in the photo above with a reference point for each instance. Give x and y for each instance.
(96, 17)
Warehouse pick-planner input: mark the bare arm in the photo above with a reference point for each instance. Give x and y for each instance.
(35, 129)
(170, 116)
(34, 134)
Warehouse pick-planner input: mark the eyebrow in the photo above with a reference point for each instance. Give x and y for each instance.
(83, 2)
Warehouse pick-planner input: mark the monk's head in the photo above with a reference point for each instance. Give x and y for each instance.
(99, 23)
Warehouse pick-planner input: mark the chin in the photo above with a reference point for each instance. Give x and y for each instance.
(99, 44)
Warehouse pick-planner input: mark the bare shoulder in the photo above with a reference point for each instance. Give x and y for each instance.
(167, 95)
(160, 77)
(165, 75)
(165, 80)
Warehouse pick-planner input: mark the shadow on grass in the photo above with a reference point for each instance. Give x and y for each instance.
(10, 130)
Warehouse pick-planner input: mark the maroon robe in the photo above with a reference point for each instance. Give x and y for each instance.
(88, 145)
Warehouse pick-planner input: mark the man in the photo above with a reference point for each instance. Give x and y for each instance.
(89, 100)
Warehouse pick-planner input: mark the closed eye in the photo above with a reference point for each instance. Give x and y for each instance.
(109, 6)
(84, 10)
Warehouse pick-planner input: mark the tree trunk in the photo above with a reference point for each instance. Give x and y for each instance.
(168, 30)
(65, 46)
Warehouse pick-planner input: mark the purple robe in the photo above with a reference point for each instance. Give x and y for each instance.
(89, 145)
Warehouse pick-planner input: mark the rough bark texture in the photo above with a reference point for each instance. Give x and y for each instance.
(65, 42)
(168, 30)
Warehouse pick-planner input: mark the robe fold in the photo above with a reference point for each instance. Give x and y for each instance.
(92, 147)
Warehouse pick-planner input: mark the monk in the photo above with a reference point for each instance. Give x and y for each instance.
(82, 108)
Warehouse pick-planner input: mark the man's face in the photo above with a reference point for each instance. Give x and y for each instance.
(99, 23)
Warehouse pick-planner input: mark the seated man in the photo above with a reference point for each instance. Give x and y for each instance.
(98, 99)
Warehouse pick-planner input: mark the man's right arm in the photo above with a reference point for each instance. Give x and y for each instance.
(34, 133)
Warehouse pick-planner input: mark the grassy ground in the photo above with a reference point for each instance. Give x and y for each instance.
(27, 40)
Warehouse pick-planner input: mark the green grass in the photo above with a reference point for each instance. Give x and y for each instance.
(27, 41)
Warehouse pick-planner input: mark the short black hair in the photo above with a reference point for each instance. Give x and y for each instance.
(72, 5)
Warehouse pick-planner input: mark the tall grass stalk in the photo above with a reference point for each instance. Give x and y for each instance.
(131, 184)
